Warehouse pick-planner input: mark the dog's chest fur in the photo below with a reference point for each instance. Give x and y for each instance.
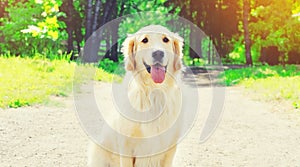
(163, 102)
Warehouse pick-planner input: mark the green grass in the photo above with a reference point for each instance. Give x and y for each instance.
(235, 76)
(273, 82)
(277, 88)
(25, 81)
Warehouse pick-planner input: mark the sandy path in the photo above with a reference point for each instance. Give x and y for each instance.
(41, 136)
(250, 134)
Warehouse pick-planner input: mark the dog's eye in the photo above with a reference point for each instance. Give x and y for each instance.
(166, 40)
(145, 40)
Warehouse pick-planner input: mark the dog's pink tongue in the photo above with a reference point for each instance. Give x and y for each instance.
(158, 73)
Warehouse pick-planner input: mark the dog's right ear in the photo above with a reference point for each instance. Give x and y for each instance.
(128, 49)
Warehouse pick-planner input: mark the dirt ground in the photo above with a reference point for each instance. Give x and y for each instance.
(249, 134)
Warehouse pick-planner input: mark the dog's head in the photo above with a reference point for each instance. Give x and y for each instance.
(153, 51)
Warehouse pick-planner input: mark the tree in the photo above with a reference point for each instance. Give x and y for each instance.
(246, 10)
(98, 13)
(89, 19)
(272, 25)
(73, 23)
(217, 18)
(109, 38)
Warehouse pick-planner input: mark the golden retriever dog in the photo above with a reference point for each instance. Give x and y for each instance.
(153, 62)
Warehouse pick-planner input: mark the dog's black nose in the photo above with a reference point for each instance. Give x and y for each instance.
(158, 55)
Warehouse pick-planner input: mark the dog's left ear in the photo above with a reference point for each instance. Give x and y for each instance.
(177, 46)
(128, 50)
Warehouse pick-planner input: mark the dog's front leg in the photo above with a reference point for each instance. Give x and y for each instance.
(168, 158)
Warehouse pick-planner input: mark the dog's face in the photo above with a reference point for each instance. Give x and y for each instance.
(153, 51)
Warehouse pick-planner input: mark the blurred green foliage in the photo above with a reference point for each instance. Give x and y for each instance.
(35, 26)
(112, 67)
(151, 12)
(237, 55)
(272, 24)
(32, 27)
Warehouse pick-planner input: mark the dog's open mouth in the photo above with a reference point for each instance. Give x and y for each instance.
(157, 71)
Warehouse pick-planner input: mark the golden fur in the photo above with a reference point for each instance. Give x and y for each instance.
(145, 95)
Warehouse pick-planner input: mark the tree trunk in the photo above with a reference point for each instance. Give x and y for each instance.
(66, 8)
(246, 10)
(96, 15)
(92, 45)
(89, 17)
(110, 12)
(73, 26)
(92, 41)
(209, 51)
(194, 48)
(70, 46)
(213, 54)
(108, 9)
(107, 38)
(114, 35)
